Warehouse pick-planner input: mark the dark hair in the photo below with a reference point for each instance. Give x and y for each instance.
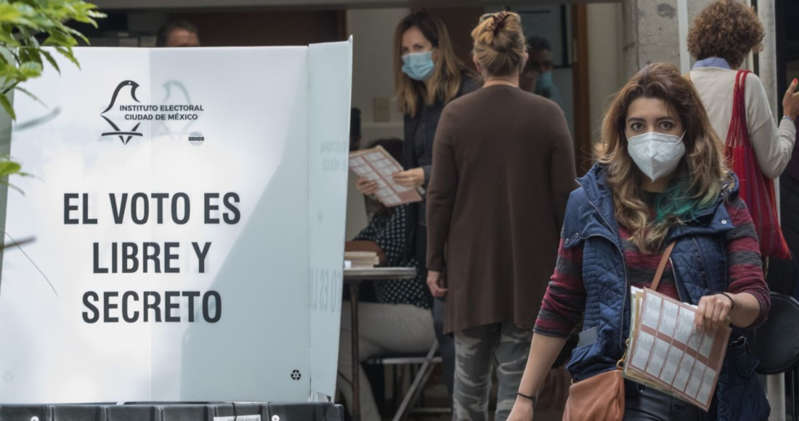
(725, 29)
(536, 43)
(166, 29)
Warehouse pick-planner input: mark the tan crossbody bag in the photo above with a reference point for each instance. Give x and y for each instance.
(601, 397)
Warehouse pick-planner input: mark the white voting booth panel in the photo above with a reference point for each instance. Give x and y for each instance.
(188, 207)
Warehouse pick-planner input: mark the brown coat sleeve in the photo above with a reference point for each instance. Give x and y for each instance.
(441, 191)
(562, 173)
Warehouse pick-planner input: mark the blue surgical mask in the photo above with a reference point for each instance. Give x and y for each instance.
(418, 66)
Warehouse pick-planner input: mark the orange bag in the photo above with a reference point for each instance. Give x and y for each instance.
(601, 397)
(597, 398)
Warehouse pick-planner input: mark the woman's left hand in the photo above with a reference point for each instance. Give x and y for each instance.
(713, 312)
(435, 283)
(411, 178)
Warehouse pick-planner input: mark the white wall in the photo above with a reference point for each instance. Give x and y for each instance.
(373, 73)
(372, 77)
(768, 57)
(605, 60)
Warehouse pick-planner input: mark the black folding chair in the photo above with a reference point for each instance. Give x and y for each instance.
(776, 343)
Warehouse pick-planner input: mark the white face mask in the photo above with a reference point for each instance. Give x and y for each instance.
(656, 154)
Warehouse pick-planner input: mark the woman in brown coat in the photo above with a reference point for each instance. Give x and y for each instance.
(503, 167)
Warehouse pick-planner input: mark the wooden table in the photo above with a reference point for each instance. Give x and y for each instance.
(354, 277)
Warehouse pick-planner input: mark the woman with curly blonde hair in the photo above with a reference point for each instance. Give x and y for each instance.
(721, 36)
(660, 185)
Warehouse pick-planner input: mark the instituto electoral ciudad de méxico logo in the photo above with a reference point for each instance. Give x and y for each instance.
(174, 115)
(124, 136)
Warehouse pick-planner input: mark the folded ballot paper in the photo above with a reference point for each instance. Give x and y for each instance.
(667, 353)
(378, 165)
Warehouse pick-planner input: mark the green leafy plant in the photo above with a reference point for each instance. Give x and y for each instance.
(30, 32)
(22, 24)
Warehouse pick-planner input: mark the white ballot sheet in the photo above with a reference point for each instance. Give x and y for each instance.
(668, 353)
(378, 165)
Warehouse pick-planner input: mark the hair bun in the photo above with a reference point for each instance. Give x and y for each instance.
(499, 44)
(499, 21)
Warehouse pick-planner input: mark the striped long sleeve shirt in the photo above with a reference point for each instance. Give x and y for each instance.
(564, 301)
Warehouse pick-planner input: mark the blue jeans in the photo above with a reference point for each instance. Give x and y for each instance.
(446, 343)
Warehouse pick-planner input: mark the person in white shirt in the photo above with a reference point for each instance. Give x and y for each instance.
(721, 36)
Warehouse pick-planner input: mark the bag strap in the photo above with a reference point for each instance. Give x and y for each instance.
(654, 286)
(662, 266)
(739, 95)
(737, 131)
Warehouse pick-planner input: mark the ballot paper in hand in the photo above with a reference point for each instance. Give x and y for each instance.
(667, 353)
(378, 165)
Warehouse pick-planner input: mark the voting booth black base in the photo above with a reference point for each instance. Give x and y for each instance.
(183, 411)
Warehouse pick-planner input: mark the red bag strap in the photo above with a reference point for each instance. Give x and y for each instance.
(738, 132)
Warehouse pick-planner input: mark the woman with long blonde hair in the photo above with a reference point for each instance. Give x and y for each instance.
(427, 76)
(660, 185)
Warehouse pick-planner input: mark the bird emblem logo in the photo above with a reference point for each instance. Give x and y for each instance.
(124, 135)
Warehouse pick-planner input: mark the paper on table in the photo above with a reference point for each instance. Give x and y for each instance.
(378, 165)
(668, 353)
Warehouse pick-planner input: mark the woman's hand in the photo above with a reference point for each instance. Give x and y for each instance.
(366, 186)
(522, 410)
(434, 281)
(713, 312)
(790, 102)
(411, 178)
